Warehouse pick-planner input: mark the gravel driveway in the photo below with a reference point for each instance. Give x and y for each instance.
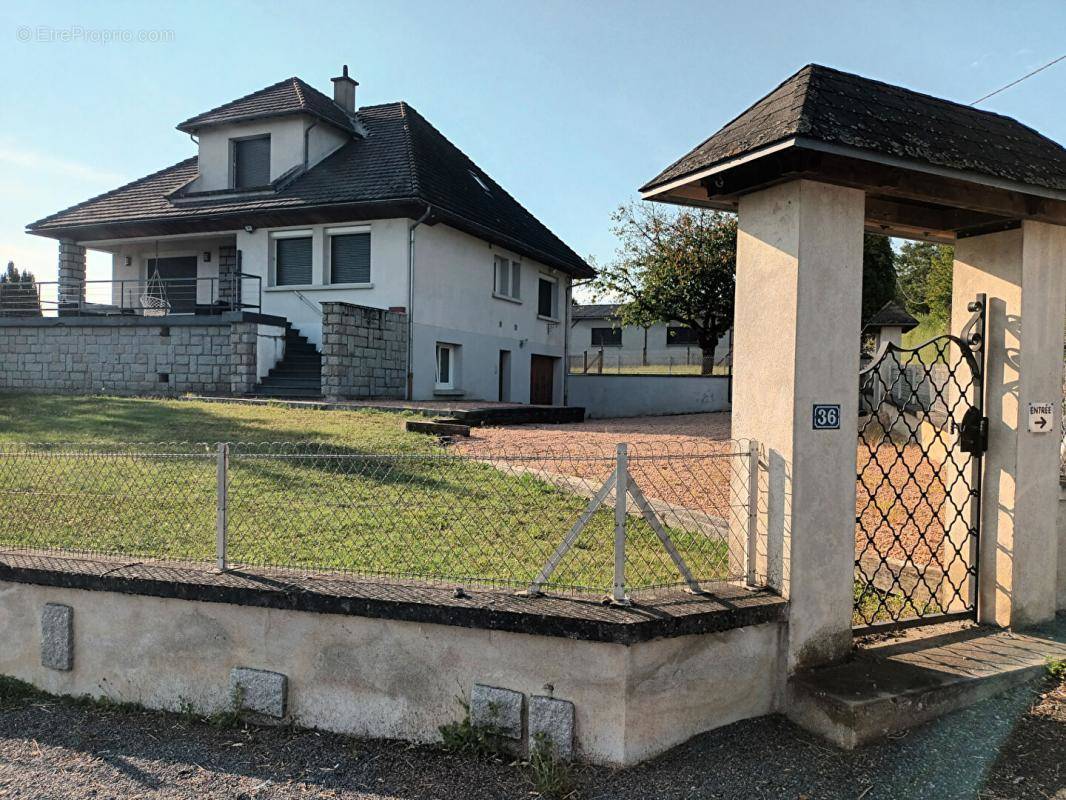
(59, 749)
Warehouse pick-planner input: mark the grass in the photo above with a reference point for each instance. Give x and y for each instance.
(419, 513)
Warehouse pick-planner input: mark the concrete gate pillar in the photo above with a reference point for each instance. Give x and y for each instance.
(1022, 273)
(796, 345)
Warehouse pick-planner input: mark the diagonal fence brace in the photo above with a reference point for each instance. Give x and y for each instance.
(621, 480)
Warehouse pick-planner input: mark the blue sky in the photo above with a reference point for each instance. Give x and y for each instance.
(570, 105)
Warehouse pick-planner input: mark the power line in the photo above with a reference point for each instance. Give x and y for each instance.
(1051, 63)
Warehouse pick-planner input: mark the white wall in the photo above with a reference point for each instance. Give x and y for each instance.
(287, 147)
(269, 348)
(388, 273)
(633, 344)
(454, 303)
(140, 252)
(639, 395)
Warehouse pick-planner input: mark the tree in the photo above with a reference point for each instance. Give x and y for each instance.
(878, 274)
(925, 271)
(18, 293)
(674, 266)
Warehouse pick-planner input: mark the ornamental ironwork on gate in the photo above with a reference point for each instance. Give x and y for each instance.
(922, 434)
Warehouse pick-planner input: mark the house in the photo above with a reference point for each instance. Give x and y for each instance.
(308, 248)
(599, 341)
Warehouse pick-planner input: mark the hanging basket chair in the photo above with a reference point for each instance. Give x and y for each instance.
(154, 302)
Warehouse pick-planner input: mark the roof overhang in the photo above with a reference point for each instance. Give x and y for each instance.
(905, 198)
(204, 221)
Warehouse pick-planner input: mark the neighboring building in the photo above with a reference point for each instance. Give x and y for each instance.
(295, 200)
(598, 337)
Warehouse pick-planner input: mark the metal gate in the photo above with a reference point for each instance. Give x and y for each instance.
(922, 433)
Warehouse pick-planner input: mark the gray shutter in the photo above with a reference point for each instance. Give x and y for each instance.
(349, 258)
(292, 265)
(251, 162)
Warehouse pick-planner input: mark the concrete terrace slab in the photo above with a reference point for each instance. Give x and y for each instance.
(895, 684)
(465, 412)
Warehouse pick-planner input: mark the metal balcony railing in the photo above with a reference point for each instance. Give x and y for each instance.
(133, 297)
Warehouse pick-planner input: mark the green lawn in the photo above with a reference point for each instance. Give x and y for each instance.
(322, 499)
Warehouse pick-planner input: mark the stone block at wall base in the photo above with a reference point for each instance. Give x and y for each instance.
(498, 710)
(57, 637)
(260, 691)
(551, 724)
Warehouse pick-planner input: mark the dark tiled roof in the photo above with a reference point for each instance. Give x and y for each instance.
(595, 311)
(290, 96)
(839, 108)
(402, 158)
(892, 315)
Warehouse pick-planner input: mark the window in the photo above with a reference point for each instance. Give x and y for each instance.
(349, 257)
(251, 162)
(292, 259)
(606, 337)
(680, 335)
(445, 366)
(507, 281)
(547, 302)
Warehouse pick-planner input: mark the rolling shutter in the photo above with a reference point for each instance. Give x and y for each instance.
(293, 261)
(349, 258)
(251, 162)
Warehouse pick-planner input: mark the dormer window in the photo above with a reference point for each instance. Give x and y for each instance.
(250, 162)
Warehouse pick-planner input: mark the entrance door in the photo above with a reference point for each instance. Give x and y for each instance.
(504, 375)
(178, 274)
(542, 380)
(922, 434)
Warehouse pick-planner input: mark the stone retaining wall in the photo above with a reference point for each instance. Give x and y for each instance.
(77, 356)
(364, 352)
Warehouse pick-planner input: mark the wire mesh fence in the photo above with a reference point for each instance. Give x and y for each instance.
(552, 520)
(686, 360)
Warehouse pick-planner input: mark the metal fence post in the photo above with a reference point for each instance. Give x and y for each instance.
(221, 504)
(753, 512)
(621, 492)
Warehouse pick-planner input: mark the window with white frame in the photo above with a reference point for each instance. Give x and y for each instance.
(507, 278)
(292, 258)
(547, 297)
(349, 255)
(446, 366)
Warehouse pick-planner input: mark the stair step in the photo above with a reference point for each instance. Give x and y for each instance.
(300, 383)
(285, 391)
(925, 673)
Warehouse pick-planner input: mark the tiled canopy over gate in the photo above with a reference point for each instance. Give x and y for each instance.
(932, 169)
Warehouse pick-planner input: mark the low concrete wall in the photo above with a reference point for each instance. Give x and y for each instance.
(364, 352)
(390, 678)
(639, 395)
(130, 356)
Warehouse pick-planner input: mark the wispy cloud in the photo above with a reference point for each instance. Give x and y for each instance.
(42, 162)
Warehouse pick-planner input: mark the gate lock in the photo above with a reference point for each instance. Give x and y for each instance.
(973, 432)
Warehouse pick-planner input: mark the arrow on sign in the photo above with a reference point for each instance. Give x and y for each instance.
(1042, 422)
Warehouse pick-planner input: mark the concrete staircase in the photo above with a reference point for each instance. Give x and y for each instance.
(298, 376)
(892, 685)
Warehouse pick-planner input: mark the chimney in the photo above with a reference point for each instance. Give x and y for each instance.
(344, 91)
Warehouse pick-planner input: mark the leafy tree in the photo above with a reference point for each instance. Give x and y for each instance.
(878, 274)
(18, 293)
(925, 271)
(674, 266)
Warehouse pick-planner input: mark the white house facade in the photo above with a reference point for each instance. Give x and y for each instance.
(597, 336)
(296, 202)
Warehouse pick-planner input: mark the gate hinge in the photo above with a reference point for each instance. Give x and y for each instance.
(973, 432)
